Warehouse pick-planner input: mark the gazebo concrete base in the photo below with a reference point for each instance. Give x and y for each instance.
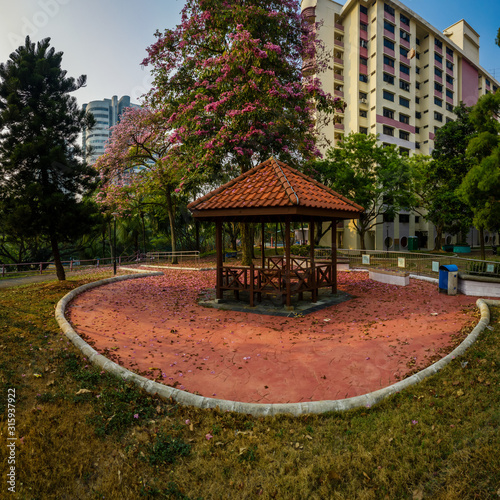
(272, 305)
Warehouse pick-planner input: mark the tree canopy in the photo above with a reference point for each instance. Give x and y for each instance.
(374, 176)
(436, 180)
(42, 180)
(480, 189)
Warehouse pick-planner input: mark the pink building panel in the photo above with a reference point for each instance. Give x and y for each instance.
(339, 27)
(404, 60)
(363, 34)
(363, 69)
(438, 79)
(431, 136)
(404, 76)
(438, 94)
(438, 64)
(363, 18)
(395, 123)
(449, 100)
(470, 91)
(363, 52)
(338, 43)
(404, 43)
(450, 58)
(388, 52)
(389, 35)
(438, 50)
(405, 26)
(389, 69)
(389, 17)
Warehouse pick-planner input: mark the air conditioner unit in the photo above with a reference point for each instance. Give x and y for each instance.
(363, 101)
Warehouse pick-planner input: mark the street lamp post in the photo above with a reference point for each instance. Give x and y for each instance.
(114, 214)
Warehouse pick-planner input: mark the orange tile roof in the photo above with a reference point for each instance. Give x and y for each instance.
(274, 184)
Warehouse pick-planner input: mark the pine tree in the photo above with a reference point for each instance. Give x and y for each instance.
(41, 176)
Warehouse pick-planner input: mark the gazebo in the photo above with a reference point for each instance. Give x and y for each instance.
(275, 192)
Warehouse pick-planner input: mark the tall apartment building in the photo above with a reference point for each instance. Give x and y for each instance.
(107, 114)
(401, 79)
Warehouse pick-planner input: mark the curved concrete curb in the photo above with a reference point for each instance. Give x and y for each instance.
(295, 409)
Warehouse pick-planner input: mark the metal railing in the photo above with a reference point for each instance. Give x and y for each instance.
(32, 268)
(418, 263)
(180, 256)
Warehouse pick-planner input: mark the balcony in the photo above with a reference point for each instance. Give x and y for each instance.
(339, 126)
(338, 43)
(338, 93)
(338, 76)
(339, 27)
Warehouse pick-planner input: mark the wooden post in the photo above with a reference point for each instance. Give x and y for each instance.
(314, 294)
(251, 285)
(334, 255)
(262, 246)
(218, 250)
(286, 240)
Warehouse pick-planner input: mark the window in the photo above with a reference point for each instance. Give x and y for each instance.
(438, 43)
(363, 43)
(363, 60)
(404, 135)
(417, 85)
(417, 41)
(389, 61)
(438, 87)
(388, 113)
(417, 145)
(404, 152)
(417, 70)
(449, 107)
(388, 96)
(363, 130)
(363, 78)
(389, 9)
(438, 58)
(404, 35)
(363, 27)
(388, 130)
(417, 130)
(449, 79)
(404, 218)
(418, 114)
(449, 94)
(404, 85)
(449, 65)
(363, 9)
(388, 79)
(404, 118)
(417, 100)
(388, 26)
(438, 116)
(438, 102)
(449, 51)
(448, 119)
(403, 51)
(438, 72)
(404, 69)
(487, 82)
(363, 113)
(404, 19)
(363, 95)
(436, 129)
(404, 102)
(388, 44)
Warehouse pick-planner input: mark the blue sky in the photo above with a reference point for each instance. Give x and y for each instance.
(107, 39)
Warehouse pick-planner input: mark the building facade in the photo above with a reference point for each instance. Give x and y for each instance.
(107, 114)
(401, 79)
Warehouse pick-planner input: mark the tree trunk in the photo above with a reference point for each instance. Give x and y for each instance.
(171, 219)
(439, 236)
(61, 275)
(246, 244)
(143, 232)
(481, 242)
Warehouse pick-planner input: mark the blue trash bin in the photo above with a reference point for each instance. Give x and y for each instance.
(448, 279)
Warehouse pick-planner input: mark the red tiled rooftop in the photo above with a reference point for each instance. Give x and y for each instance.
(274, 184)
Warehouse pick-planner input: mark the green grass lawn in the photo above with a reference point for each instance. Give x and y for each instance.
(83, 434)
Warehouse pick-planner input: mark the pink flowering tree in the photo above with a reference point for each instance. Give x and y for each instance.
(137, 172)
(230, 81)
